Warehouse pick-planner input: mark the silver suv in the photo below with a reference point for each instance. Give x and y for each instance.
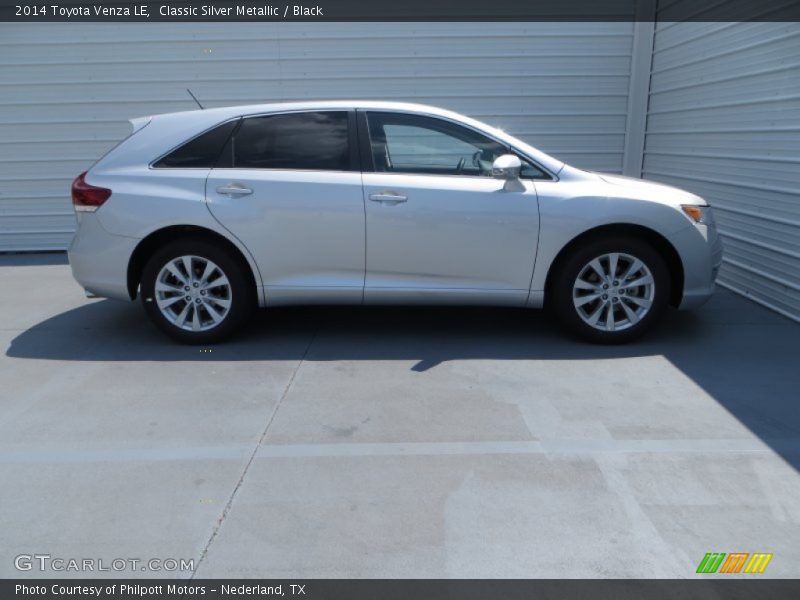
(207, 214)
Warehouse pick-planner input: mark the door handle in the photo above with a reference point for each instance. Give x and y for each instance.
(390, 198)
(234, 189)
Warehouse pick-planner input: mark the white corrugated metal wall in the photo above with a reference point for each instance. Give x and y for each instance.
(724, 122)
(722, 106)
(68, 89)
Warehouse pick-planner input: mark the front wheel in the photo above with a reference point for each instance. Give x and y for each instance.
(196, 292)
(611, 291)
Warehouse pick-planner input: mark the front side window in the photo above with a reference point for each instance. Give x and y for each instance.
(403, 143)
(406, 143)
(308, 141)
(531, 171)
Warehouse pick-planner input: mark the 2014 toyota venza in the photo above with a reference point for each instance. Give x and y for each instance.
(207, 214)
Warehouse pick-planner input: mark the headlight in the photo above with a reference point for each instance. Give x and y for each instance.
(699, 213)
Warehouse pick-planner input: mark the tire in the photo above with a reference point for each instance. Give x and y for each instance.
(582, 303)
(205, 308)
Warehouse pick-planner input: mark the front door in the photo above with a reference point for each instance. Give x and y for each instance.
(439, 227)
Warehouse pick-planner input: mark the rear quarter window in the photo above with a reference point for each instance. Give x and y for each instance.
(201, 152)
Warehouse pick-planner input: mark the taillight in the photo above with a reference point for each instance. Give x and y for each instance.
(87, 197)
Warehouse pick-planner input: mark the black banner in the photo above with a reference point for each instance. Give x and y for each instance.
(716, 587)
(399, 10)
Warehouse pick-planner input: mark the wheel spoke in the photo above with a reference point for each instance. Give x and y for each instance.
(595, 316)
(644, 302)
(187, 265)
(645, 280)
(181, 319)
(580, 301)
(215, 314)
(598, 268)
(634, 267)
(613, 259)
(176, 272)
(223, 302)
(166, 302)
(221, 280)
(610, 317)
(195, 318)
(210, 267)
(582, 284)
(162, 286)
(629, 312)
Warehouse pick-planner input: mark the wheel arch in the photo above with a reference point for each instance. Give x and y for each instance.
(150, 244)
(661, 244)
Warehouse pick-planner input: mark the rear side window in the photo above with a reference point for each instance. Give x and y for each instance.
(200, 153)
(307, 141)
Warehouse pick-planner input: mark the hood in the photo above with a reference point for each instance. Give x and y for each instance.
(649, 190)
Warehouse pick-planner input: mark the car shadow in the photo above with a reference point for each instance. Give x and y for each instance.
(106, 330)
(740, 354)
(33, 259)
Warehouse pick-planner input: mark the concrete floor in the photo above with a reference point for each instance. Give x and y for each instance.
(394, 442)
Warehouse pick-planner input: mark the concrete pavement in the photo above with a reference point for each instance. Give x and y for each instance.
(393, 442)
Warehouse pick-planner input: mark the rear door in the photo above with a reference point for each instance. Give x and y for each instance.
(289, 187)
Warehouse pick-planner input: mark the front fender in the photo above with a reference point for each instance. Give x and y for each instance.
(565, 217)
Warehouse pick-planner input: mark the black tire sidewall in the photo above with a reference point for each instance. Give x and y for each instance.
(242, 296)
(564, 308)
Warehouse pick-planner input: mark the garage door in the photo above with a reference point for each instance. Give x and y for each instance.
(68, 89)
(724, 121)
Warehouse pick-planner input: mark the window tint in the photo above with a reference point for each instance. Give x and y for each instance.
(201, 152)
(311, 140)
(404, 143)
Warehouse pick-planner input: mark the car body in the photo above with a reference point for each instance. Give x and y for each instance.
(348, 202)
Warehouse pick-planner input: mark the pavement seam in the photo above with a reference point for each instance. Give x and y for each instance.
(260, 441)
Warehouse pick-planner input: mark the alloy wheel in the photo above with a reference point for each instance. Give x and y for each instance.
(193, 293)
(614, 291)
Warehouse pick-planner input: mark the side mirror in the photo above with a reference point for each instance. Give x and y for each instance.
(506, 167)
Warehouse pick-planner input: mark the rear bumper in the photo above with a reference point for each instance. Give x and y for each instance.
(700, 249)
(99, 260)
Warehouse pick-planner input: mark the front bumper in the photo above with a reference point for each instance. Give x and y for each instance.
(99, 259)
(700, 250)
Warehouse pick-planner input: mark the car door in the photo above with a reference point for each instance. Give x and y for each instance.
(289, 187)
(439, 226)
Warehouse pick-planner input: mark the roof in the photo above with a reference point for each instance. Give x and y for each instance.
(173, 128)
(250, 109)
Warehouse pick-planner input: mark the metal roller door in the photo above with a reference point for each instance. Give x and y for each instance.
(724, 122)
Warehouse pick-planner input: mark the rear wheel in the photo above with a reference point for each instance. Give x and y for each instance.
(196, 292)
(611, 290)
